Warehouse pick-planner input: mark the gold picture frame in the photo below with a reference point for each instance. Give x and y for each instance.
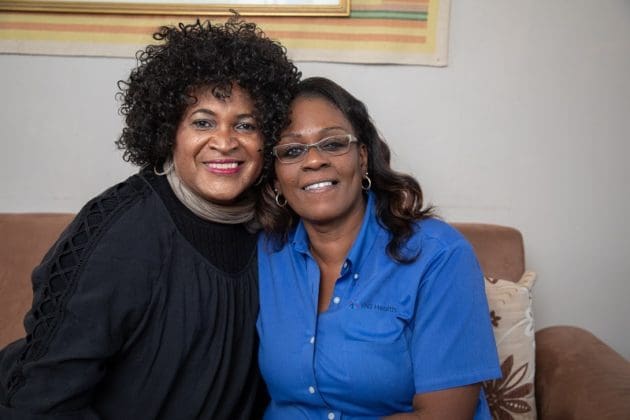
(185, 7)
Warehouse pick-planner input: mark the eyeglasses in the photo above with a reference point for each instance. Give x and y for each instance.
(332, 146)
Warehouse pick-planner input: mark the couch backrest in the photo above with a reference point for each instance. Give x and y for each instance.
(25, 238)
(499, 249)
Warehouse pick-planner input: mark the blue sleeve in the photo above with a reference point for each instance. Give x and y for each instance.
(452, 343)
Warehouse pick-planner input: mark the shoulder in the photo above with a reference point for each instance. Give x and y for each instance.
(120, 216)
(109, 249)
(438, 230)
(435, 237)
(127, 205)
(112, 203)
(270, 244)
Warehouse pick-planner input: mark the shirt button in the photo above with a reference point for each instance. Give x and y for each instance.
(311, 390)
(336, 300)
(312, 340)
(331, 416)
(345, 265)
(356, 276)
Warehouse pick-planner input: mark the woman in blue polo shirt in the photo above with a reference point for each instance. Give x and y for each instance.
(369, 306)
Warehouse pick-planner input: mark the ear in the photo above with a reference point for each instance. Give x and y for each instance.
(276, 186)
(363, 158)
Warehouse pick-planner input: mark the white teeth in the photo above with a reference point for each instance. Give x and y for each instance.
(231, 165)
(318, 185)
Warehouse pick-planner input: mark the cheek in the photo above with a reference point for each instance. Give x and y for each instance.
(179, 153)
(353, 169)
(255, 151)
(257, 166)
(284, 179)
(186, 146)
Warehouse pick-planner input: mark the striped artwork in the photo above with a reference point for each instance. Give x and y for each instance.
(377, 31)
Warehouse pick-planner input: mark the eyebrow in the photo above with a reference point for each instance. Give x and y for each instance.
(323, 131)
(210, 112)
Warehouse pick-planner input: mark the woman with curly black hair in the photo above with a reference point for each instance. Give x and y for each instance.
(145, 307)
(383, 312)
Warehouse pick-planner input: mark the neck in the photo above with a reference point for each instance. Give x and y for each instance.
(330, 243)
(242, 211)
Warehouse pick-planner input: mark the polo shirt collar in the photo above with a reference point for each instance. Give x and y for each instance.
(361, 248)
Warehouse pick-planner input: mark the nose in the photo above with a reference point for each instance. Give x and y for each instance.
(223, 140)
(314, 159)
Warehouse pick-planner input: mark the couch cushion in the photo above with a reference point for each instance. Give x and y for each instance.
(512, 396)
(499, 249)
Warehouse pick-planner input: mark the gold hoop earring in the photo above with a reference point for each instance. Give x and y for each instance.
(366, 183)
(280, 197)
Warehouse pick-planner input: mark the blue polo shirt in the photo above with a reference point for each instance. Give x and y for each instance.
(392, 330)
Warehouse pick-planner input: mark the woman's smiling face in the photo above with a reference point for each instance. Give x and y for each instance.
(218, 146)
(321, 188)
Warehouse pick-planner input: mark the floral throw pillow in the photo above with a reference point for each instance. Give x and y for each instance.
(512, 396)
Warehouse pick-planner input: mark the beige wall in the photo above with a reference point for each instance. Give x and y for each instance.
(529, 126)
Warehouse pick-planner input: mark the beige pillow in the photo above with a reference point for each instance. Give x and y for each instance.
(512, 396)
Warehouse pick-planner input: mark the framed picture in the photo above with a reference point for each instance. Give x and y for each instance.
(186, 7)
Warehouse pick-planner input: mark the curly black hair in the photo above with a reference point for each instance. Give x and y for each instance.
(195, 56)
(399, 199)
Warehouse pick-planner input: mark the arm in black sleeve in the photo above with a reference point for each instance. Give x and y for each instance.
(86, 302)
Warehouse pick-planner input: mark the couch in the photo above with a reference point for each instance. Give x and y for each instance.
(577, 376)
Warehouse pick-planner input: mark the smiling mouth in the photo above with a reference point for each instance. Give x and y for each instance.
(227, 167)
(222, 165)
(319, 185)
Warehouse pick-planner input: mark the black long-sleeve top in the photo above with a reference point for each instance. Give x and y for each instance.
(141, 310)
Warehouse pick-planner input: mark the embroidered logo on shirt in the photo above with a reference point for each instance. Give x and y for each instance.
(373, 306)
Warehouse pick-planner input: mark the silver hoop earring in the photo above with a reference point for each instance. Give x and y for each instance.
(280, 197)
(167, 167)
(366, 183)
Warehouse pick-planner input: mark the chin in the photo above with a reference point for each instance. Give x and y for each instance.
(320, 218)
(224, 196)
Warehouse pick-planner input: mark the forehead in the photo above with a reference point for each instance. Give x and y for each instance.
(236, 96)
(314, 113)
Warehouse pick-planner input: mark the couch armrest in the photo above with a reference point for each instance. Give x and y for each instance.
(578, 376)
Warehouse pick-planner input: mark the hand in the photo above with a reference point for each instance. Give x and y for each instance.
(448, 404)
